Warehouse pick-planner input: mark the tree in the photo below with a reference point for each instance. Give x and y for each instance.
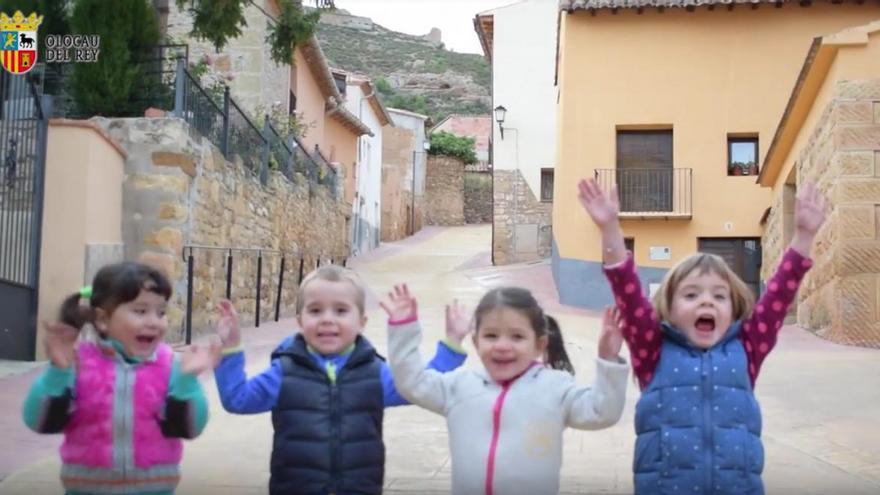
(292, 28)
(109, 86)
(217, 22)
(444, 143)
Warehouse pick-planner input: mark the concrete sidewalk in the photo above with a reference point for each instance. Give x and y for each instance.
(820, 401)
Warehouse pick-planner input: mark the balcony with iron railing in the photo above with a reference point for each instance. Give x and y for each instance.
(647, 193)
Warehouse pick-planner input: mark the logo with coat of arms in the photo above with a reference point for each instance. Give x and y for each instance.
(18, 41)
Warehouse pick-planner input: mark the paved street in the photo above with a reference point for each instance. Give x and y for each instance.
(821, 401)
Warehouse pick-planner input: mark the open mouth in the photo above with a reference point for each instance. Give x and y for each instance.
(503, 362)
(328, 335)
(146, 339)
(705, 324)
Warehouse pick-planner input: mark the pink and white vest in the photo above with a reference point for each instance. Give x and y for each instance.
(113, 442)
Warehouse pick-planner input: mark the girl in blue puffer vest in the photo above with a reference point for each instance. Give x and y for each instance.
(696, 352)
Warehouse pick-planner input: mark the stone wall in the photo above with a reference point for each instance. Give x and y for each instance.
(477, 197)
(523, 229)
(444, 191)
(840, 297)
(179, 190)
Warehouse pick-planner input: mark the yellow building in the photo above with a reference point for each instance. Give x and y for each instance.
(677, 104)
(830, 135)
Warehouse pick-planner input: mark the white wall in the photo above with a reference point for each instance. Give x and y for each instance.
(524, 53)
(367, 209)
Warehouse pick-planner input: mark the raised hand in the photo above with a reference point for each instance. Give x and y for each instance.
(809, 210)
(227, 326)
(197, 358)
(603, 208)
(809, 214)
(611, 337)
(60, 344)
(458, 322)
(401, 305)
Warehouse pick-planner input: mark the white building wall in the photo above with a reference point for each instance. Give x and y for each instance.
(524, 54)
(367, 208)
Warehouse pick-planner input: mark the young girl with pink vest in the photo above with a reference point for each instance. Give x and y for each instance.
(123, 400)
(506, 421)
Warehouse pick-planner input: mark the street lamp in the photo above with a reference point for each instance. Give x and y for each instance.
(500, 113)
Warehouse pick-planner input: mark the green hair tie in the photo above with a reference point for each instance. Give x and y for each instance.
(86, 292)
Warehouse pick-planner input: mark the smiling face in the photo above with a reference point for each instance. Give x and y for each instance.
(139, 325)
(330, 318)
(702, 307)
(507, 343)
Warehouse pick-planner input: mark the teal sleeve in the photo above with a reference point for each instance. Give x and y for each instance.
(52, 388)
(185, 388)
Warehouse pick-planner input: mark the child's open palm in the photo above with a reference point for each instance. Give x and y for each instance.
(458, 322)
(201, 357)
(611, 337)
(401, 305)
(227, 326)
(60, 344)
(809, 210)
(603, 208)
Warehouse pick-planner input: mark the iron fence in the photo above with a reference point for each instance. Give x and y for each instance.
(154, 82)
(244, 139)
(23, 154)
(650, 192)
(23, 132)
(288, 264)
(199, 109)
(326, 172)
(232, 130)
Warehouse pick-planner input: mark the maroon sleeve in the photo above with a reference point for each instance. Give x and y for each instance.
(641, 329)
(760, 330)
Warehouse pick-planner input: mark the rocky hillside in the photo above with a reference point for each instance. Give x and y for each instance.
(411, 72)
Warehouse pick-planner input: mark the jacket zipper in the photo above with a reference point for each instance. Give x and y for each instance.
(335, 452)
(496, 430)
(707, 421)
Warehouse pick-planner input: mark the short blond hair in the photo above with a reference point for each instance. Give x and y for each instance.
(333, 273)
(742, 298)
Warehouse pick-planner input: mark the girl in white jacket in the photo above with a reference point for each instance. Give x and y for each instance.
(506, 421)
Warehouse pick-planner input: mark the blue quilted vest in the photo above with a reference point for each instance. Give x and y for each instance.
(698, 423)
(328, 436)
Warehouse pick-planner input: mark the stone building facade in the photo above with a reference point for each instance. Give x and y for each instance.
(830, 136)
(257, 82)
(179, 190)
(523, 229)
(840, 299)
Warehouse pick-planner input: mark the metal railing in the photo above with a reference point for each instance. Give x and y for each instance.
(651, 192)
(236, 134)
(154, 84)
(202, 113)
(288, 263)
(244, 139)
(326, 172)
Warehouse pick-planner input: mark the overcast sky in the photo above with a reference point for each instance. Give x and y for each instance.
(454, 18)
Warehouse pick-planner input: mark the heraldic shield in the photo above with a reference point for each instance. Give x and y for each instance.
(18, 41)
